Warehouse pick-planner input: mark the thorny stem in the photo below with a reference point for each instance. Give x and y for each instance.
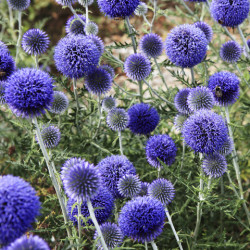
(79, 222)
(120, 141)
(131, 33)
(19, 34)
(154, 245)
(243, 39)
(161, 75)
(241, 74)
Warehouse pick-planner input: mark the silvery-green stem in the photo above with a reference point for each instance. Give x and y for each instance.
(75, 93)
(87, 12)
(120, 141)
(161, 75)
(146, 246)
(187, 8)
(74, 12)
(11, 17)
(209, 182)
(79, 222)
(183, 153)
(19, 34)
(154, 16)
(241, 74)
(36, 61)
(243, 39)
(99, 106)
(158, 170)
(130, 33)
(173, 229)
(228, 33)
(98, 229)
(192, 75)
(140, 91)
(146, 20)
(154, 245)
(115, 58)
(123, 90)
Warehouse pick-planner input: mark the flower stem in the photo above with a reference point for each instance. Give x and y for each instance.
(131, 33)
(19, 34)
(192, 75)
(243, 39)
(36, 61)
(146, 246)
(241, 74)
(123, 90)
(187, 8)
(183, 153)
(154, 16)
(120, 141)
(87, 12)
(11, 17)
(75, 93)
(140, 91)
(154, 245)
(161, 75)
(79, 222)
(209, 183)
(74, 12)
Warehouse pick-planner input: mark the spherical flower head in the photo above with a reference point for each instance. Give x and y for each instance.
(141, 9)
(112, 169)
(227, 147)
(179, 121)
(151, 45)
(207, 30)
(65, 2)
(103, 204)
(229, 13)
(85, 2)
(142, 219)
(3, 45)
(98, 81)
(162, 190)
(205, 131)
(180, 101)
(109, 103)
(2, 92)
(137, 67)
(76, 55)
(117, 119)
(118, 8)
(112, 235)
(186, 46)
(75, 26)
(214, 165)
(129, 186)
(160, 147)
(200, 98)
(230, 52)
(82, 182)
(144, 189)
(143, 118)
(91, 28)
(19, 207)
(33, 242)
(98, 43)
(29, 92)
(109, 69)
(60, 103)
(7, 64)
(225, 87)
(19, 5)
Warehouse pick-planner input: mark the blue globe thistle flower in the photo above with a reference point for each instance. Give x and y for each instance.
(29, 92)
(75, 26)
(35, 42)
(179, 121)
(144, 189)
(102, 202)
(60, 103)
(98, 43)
(25, 243)
(7, 64)
(109, 69)
(227, 147)
(19, 207)
(180, 101)
(151, 45)
(230, 52)
(91, 28)
(76, 55)
(109, 103)
(129, 186)
(117, 119)
(142, 219)
(3, 45)
(205, 131)
(229, 13)
(225, 87)
(2, 92)
(141, 9)
(137, 67)
(65, 2)
(160, 147)
(98, 81)
(200, 98)
(19, 5)
(214, 165)
(207, 30)
(118, 8)
(186, 45)
(162, 190)
(143, 118)
(112, 168)
(82, 181)
(112, 235)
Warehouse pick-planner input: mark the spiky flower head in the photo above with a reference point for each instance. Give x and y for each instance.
(112, 235)
(225, 87)
(7, 64)
(85, 2)
(162, 190)
(29, 92)
(207, 30)
(65, 2)
(19, 5)
(143, 118)
(151, 45)
(214, 165)
(112, 168)
(117, 119)
(142, 219)
(60, 103)
(98, 43)
(179, 121)
(137, 67)
(129, 186)
(229, 13)
(109, 69)
(74, 26)
(3, 45)
(180, 101)
(205, 131)
(109, 103)
(227, 147)
(200, 98)
(19, 207)
(2, 92)
(91, 28)
(144, 189)
(141, 9)
(230, 52)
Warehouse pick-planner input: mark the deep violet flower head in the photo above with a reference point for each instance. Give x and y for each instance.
(91, 28)
(141, 9)
(31, 243)
(200, 98)
(205, 131)
(144, 189)
(98, 81)
(180, 101)
(129, 185)
(225, 87)
(7, 64)
(35, 42)
(137, 67)
(19, 5)
(230, 52)
(102, 202)
(51, 136)
(179, 121)
(75, 26)
(60, 103)
(2, 92)
(3, 45)
(143, 118)
(229, 13)
(214, 165)
(19, 207)
(117, 119)
(112, 235)
(109, 69)
(151, 45)
(207, 30)
(76, 55)
(118, 8)
(65, 2)
(98, 43)
(160, 147)
(227, 147)
(162, 190)
(142, 219)
(109, 103)
(29, 92)
(186, 45)
(112, 168)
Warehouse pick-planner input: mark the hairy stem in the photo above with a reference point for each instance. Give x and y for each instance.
(18, 45)
(243, 39)
(192, 75)
(146, 246)
(78, 17)
(131, 33)
(120, 141)
(154, 246)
